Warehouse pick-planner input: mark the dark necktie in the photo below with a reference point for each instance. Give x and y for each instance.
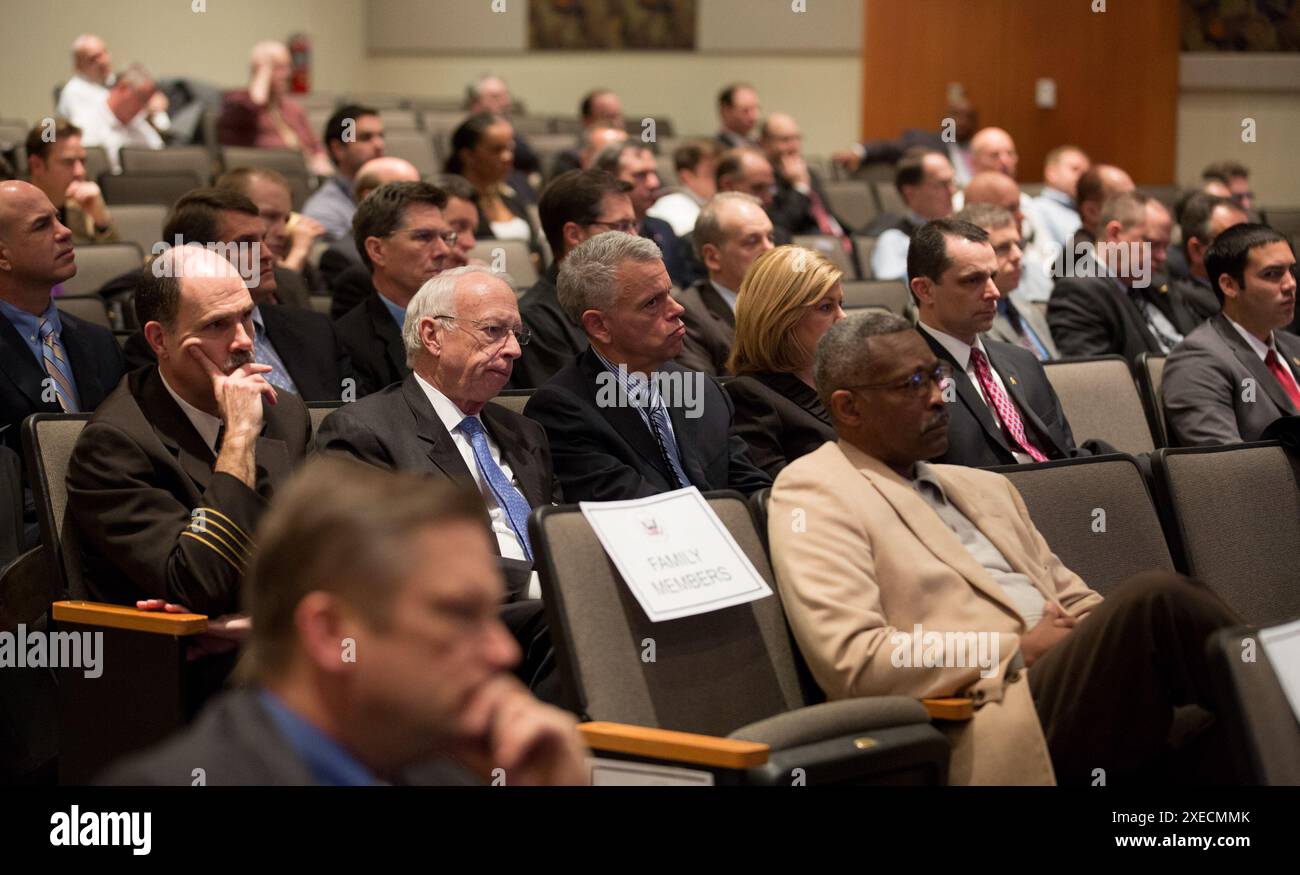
(1005, 408)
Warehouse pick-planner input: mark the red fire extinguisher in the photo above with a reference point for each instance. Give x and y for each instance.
(300, 59)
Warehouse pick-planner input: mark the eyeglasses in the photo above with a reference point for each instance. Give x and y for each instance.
(425, 236)
(625, 227)
(495, 332)
(918, 384)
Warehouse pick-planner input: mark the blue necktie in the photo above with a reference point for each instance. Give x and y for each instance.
(266, 355)
(56, 365)
(509, 499)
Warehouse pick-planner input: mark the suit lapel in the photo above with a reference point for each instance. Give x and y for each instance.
(795, 389)
(389, 333)
(1130, 312)
(84, 371)
(969, 396)
(927, 526)
(288, 345)
(174, 429)
(685, 431)
(1263, 376)
(714, 304)
(1012, 380)
(20, 366)
(622, 416)
(442, 450)
(518, 455)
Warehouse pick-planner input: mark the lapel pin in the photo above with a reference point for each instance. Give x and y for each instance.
(1013, 381)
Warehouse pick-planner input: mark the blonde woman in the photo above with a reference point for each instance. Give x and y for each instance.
(789, 298)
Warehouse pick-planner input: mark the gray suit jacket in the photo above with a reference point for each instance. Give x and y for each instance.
(238, 744)
(1032, 315)
(1206, 396)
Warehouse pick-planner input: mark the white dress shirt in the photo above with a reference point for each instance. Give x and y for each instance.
(960, 352)
(101, 128)
(507, 541)
(889, 258)
(1261, 348)
(679, 208)
(207, 425)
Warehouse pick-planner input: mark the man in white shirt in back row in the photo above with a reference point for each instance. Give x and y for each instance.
(92, 77)
(120, 118)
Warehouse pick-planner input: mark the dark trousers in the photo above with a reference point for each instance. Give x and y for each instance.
(1107, 693)
(527, 624)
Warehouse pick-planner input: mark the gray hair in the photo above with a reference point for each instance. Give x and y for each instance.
(589, 273)
(437, 297)
(708, 225)
(987, 216)
(843, 354)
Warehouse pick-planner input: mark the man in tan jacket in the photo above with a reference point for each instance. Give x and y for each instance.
(901, 577)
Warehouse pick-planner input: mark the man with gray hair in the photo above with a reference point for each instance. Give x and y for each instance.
(119, 120)
(92, 77)
(891, 545)
(625, 421)
(462, 336)
(733, 229)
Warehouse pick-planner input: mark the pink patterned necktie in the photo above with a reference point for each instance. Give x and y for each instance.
(1006, 411)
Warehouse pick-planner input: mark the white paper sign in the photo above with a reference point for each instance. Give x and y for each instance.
(1282, 645)
(676, 556)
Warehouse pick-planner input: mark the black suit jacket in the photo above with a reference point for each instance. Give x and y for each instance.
(350, 287)
(304, 340)
(974, 437)
(1198, 296)
(710, 329)
(237, 743)
(138, 471)
(792, 209)
(397, 428)
(780, 417)
(677, 260)
(338, 257)
(890, 151)
(1092, 316)
(97, 367)
(556, 340)
(373, 341)
(604, 452)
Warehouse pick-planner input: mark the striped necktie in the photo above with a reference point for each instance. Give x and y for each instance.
(56, 365)
(509, 499)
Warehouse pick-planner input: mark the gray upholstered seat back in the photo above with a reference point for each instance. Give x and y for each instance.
(1101, 401)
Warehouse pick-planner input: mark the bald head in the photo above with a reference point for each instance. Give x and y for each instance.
(1098, 184)
(992, 149)
(997, 189)
(35, 247)
(91, 59)
(597, 140)
(381, 171)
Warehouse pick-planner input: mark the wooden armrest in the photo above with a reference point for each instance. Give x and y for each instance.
(952, 708)
(666, 744)
(122, 617)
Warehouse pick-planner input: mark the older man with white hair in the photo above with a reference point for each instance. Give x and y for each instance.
(92, 77)
(462, 335)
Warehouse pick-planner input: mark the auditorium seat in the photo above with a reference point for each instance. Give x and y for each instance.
(889, 295)
(289, 162)
(175, 159)
(508, 256)
(141, 224)
(1101, 401)
(97, 263)
(888, 200)
(1150, 372)
(11, 511)
(163, 189)
(318, 410)
(864, 246)
(1285, 220)
(97, 162)
(829, 247)
(414, 146)
(514, 399)
(1096, 515)
(852, 201)
(405, 120)
(1232, 517)
(734, 672)
(140, 696)
(1262, 731)
(89, 308)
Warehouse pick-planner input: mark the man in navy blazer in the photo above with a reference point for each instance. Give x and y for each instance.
(623, 420)
(85, 362)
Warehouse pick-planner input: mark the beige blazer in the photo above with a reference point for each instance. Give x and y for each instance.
(860, 557)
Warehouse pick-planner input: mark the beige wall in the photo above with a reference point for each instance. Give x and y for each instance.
(170, 38)
(1209, 129)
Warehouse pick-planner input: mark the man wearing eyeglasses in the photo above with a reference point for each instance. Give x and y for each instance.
(576, 205)
(889, 550)
(462, 336)
(405, 240)
(1003, 409)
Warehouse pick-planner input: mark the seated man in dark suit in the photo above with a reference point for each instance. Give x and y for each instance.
(1202, 219)
(730, 233)
(1001, 408)
(748, 170)
(405, 241)
(462, 336)
(1108, 305)
(341, 268)
(800, 204)
(51, 362)
(924, 181)
(168, 480)
(396, 573)
(1237, 373)
(953, 142)
(575, 206)
(600, 110)
(299, 345)
(738, 110)
(612, 431)
(635, 164)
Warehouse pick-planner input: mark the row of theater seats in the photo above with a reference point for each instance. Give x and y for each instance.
(735, 676)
